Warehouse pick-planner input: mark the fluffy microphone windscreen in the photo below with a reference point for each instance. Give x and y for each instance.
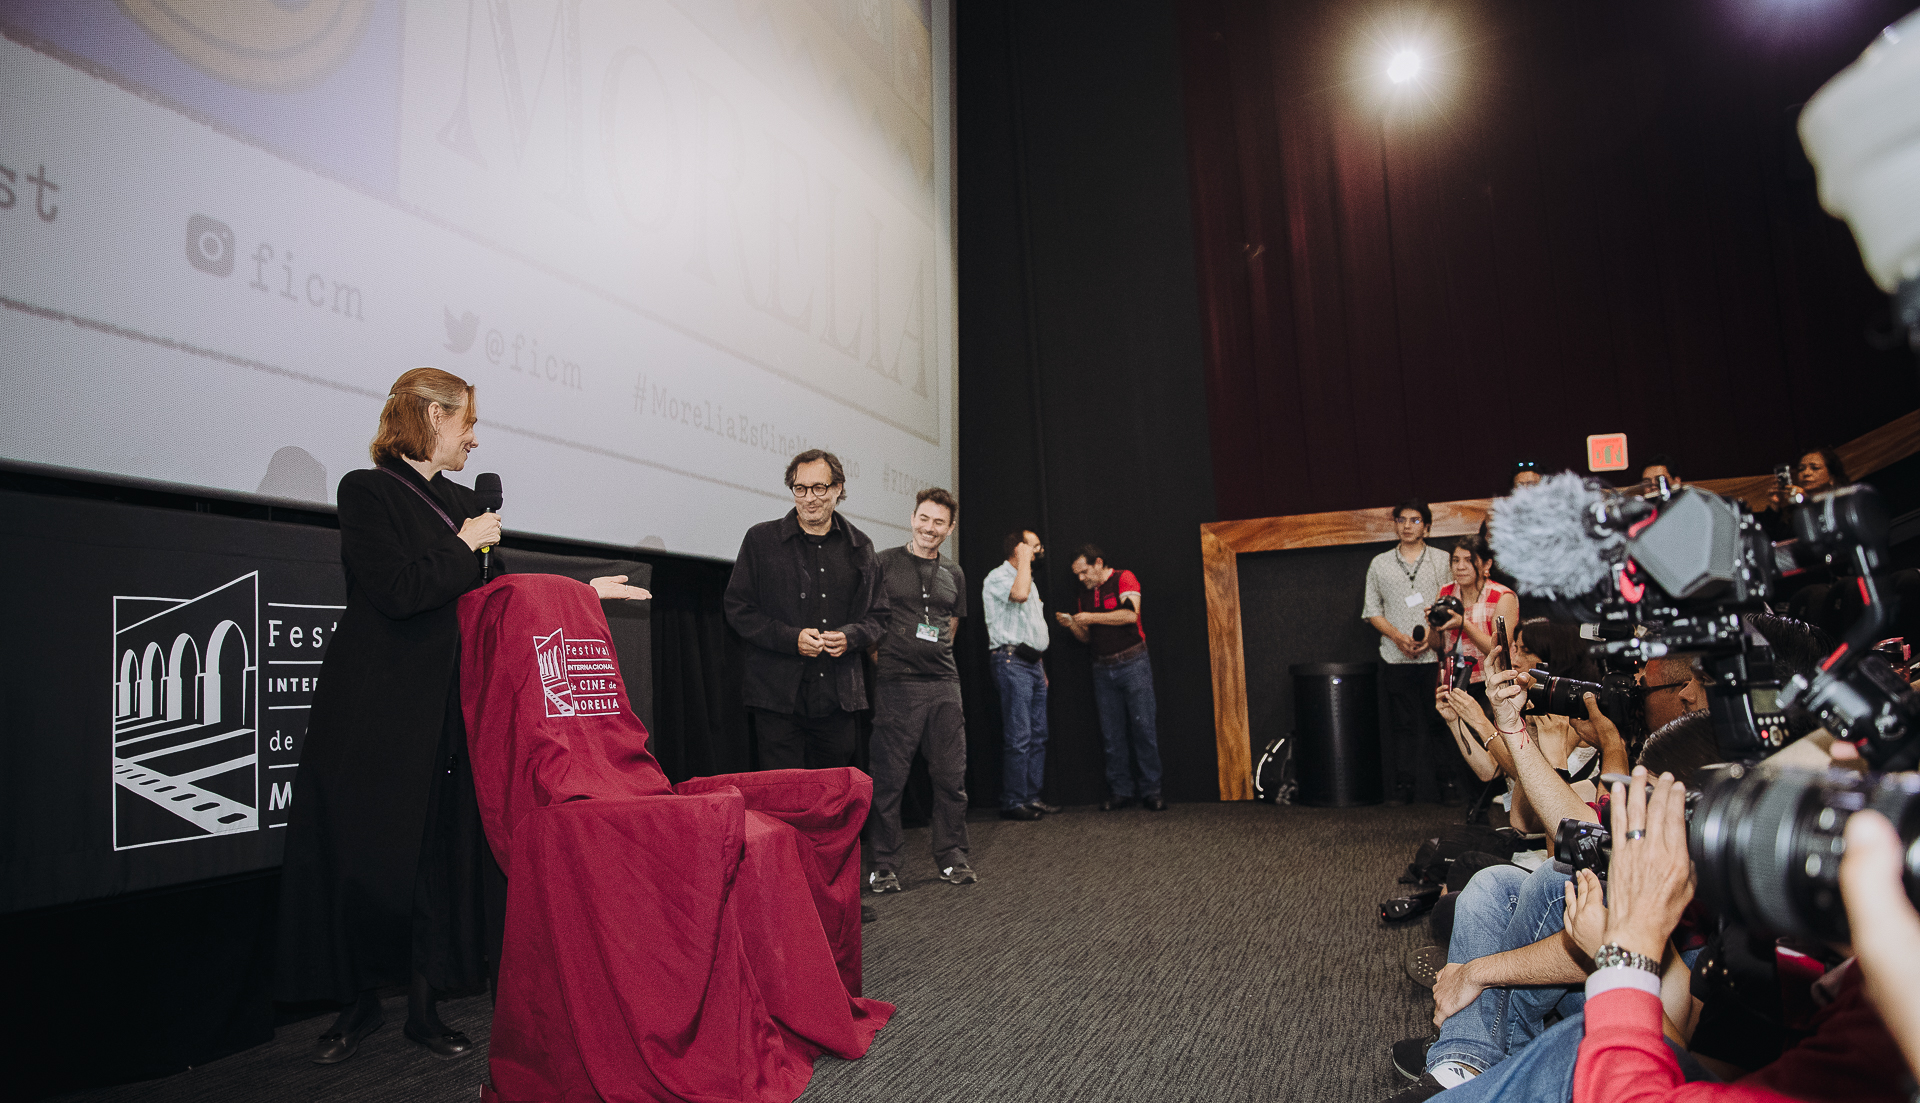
(1540, 537)
(486, 491)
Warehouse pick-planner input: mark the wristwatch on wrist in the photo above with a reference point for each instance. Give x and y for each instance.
(1614, 954)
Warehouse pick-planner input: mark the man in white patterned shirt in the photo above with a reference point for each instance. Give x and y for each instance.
(1401, 582)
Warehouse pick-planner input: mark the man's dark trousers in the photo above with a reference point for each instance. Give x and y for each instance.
(791, 741)
(1420, 745)
(923, 715)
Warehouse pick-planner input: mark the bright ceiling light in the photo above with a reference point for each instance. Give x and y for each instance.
(1404, 67)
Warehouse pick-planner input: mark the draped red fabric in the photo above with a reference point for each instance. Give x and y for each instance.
(699, 943)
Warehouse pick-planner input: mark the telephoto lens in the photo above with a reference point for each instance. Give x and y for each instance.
(1766, 843)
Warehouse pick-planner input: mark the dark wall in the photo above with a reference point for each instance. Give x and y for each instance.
(1303, 606)
(1587, 218)
(1082, 404)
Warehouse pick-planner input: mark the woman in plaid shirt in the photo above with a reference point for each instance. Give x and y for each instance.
(1472, 635)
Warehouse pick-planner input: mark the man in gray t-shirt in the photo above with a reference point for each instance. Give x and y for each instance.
(916, 696)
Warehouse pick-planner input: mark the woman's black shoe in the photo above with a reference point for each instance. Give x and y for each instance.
(334, 1047)
(447, 1046)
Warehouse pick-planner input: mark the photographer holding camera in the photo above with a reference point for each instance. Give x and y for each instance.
(1467, 621)
(1624, 1056)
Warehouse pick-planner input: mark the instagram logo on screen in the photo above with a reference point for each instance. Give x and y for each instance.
(210, 245)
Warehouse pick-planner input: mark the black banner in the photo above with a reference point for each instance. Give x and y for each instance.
(154, 684)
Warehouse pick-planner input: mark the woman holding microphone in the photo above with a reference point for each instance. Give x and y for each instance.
(387, 879)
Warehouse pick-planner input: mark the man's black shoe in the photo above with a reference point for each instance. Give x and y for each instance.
(867, 914)
(1115, 804)
(1020, 812)
(445, 1044)
(1410, 1056)
(1043, 806)
(1153, 803)
(335, 1047)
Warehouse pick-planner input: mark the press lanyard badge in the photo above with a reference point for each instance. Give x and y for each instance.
(928, 632)
(1415, 600)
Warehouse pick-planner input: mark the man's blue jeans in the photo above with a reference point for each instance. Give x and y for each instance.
(1123, 693)
(1504, 908)
(1023, 720)
(1543, 1072)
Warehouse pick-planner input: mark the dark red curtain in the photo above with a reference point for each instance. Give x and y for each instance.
(1583, 218)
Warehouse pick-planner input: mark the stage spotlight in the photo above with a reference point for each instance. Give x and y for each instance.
(1404, 67)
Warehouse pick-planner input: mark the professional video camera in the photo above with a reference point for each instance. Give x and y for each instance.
(1665, 571)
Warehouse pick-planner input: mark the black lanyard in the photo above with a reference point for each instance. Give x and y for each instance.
(1417, 564)
(926, 583)
(423, 496)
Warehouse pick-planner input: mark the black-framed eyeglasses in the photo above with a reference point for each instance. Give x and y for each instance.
(1669, 685)
(812, 490)
(1409, 521)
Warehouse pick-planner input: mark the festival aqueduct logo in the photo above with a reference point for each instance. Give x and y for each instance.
(185, 699)
(579, 677)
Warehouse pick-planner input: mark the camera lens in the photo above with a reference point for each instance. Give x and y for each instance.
(1767, 843)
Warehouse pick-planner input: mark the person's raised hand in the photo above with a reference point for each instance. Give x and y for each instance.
(480, 532)
(1453, 991)
(613, 587)
(1886, 929)
(1022, 555)
(1505, 693)
(1443, 704)
(1650, 876)
(1597, 729)
(1470, 711)
(810, 643)
(833, 643)
(1586, 922)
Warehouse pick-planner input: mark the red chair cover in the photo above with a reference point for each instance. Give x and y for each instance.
(698, 942)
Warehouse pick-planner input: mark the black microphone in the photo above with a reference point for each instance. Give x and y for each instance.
(486, 495)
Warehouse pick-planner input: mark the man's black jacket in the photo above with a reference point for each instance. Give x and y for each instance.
(770, 580)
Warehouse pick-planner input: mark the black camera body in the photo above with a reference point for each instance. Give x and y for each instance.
(1445, 610)
(1579, 844)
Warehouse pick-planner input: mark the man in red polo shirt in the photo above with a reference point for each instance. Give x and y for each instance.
(1108, 621)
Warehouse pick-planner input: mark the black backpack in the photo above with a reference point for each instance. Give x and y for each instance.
(1273, 775)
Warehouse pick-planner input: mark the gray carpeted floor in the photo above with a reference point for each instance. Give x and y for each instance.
(1227, 952)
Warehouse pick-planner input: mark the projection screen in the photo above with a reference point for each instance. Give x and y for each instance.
(672, 242)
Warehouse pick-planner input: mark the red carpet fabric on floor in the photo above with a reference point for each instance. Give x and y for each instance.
(699, 942)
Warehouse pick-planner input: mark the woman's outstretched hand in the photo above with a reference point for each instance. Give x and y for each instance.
(613, 587)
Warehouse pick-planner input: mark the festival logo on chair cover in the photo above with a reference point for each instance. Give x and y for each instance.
(578, 677)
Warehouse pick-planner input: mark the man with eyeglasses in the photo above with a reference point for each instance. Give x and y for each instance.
(806, 594)
(1401, 582)
(1673, 689)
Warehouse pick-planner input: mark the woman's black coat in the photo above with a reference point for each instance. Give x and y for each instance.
(384, 742)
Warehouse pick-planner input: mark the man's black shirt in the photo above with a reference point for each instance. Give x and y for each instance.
(783, 582)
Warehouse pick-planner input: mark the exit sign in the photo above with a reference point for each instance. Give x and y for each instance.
(1607, 452)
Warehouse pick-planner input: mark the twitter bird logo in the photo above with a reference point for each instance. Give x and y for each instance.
(460, 330)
